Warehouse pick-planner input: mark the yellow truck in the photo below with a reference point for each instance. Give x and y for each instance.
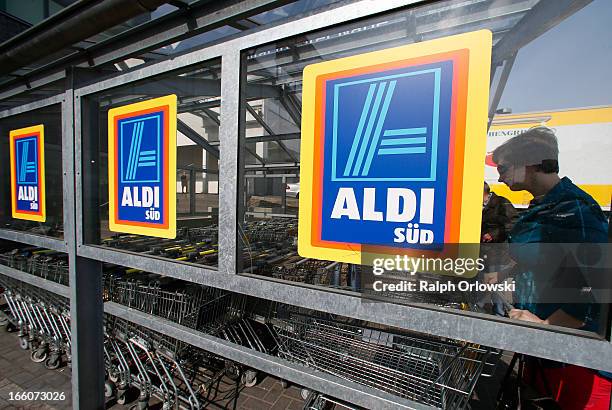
(585, 149)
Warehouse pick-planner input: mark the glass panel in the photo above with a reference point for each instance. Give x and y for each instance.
(523, 80)
(45, 263)
(51, 118)
(197, 166)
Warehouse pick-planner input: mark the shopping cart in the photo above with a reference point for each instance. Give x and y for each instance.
(429, 370)
(50, 266)
(45, 263)
(168, 298)
(43, 321)
(318, 401)
(16, 259)
(179, 375)
(440, 373)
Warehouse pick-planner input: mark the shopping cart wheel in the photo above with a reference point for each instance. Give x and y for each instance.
(113, 377)
(109, 389)
(249, 378)
(141, 405)
(122, 396)
(24, 343)
(284, 384)
(53, 362)
(39, 355)
(143, 402)
(305, 393)
(232, 371)
(11, 328)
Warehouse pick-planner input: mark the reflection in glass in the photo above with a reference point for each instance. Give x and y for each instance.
(272, 111)
(51, 118)
(197, 166)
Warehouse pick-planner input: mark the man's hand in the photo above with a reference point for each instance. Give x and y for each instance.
(525, 315)
(487, 237)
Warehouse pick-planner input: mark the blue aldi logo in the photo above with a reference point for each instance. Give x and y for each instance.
(28, 173)
(384, 167)
(27, 161)
(388, 146)
(370, 117)
(142, 167)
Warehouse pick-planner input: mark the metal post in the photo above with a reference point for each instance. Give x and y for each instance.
(229, 181)
(192, 192)
(284, 195)
(85, 276)
(86, 320)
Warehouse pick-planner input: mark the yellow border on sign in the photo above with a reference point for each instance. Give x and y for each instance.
(573, 116)
(40, 129)
(479, 45)
(170, 231)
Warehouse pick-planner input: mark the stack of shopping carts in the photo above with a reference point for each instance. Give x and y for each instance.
(45, 263)
(429, 370)
(164, 297)
(42, 319)
(15, 258)
(432, 371)
(177, 374)
(196, 245)
(203, 308)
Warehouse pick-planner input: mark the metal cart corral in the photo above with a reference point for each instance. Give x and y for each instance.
(415, 354)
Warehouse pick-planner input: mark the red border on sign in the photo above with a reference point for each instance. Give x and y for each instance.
(41, 194)
(460, 59)
(165, 109)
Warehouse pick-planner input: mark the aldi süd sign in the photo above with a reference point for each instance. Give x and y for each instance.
(393, 144)
(142, 167)
(27, 159)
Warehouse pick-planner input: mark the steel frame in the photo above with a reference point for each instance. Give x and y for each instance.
(56, 244)
(549, 342)
(334, 386)
(35, 281)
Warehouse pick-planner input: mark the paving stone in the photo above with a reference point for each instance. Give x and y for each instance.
(267, 383)
(242, 399)
(60, 406)
(274, 393)
(256, 392)
(296, 405)
(14, 355)
(293, 392)
(22, 378)
(10, 345)
(281, 403)
(31, 376)
(18, 403)
(36, 368)
(7, 389)
(60, 383)
(255, 404)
